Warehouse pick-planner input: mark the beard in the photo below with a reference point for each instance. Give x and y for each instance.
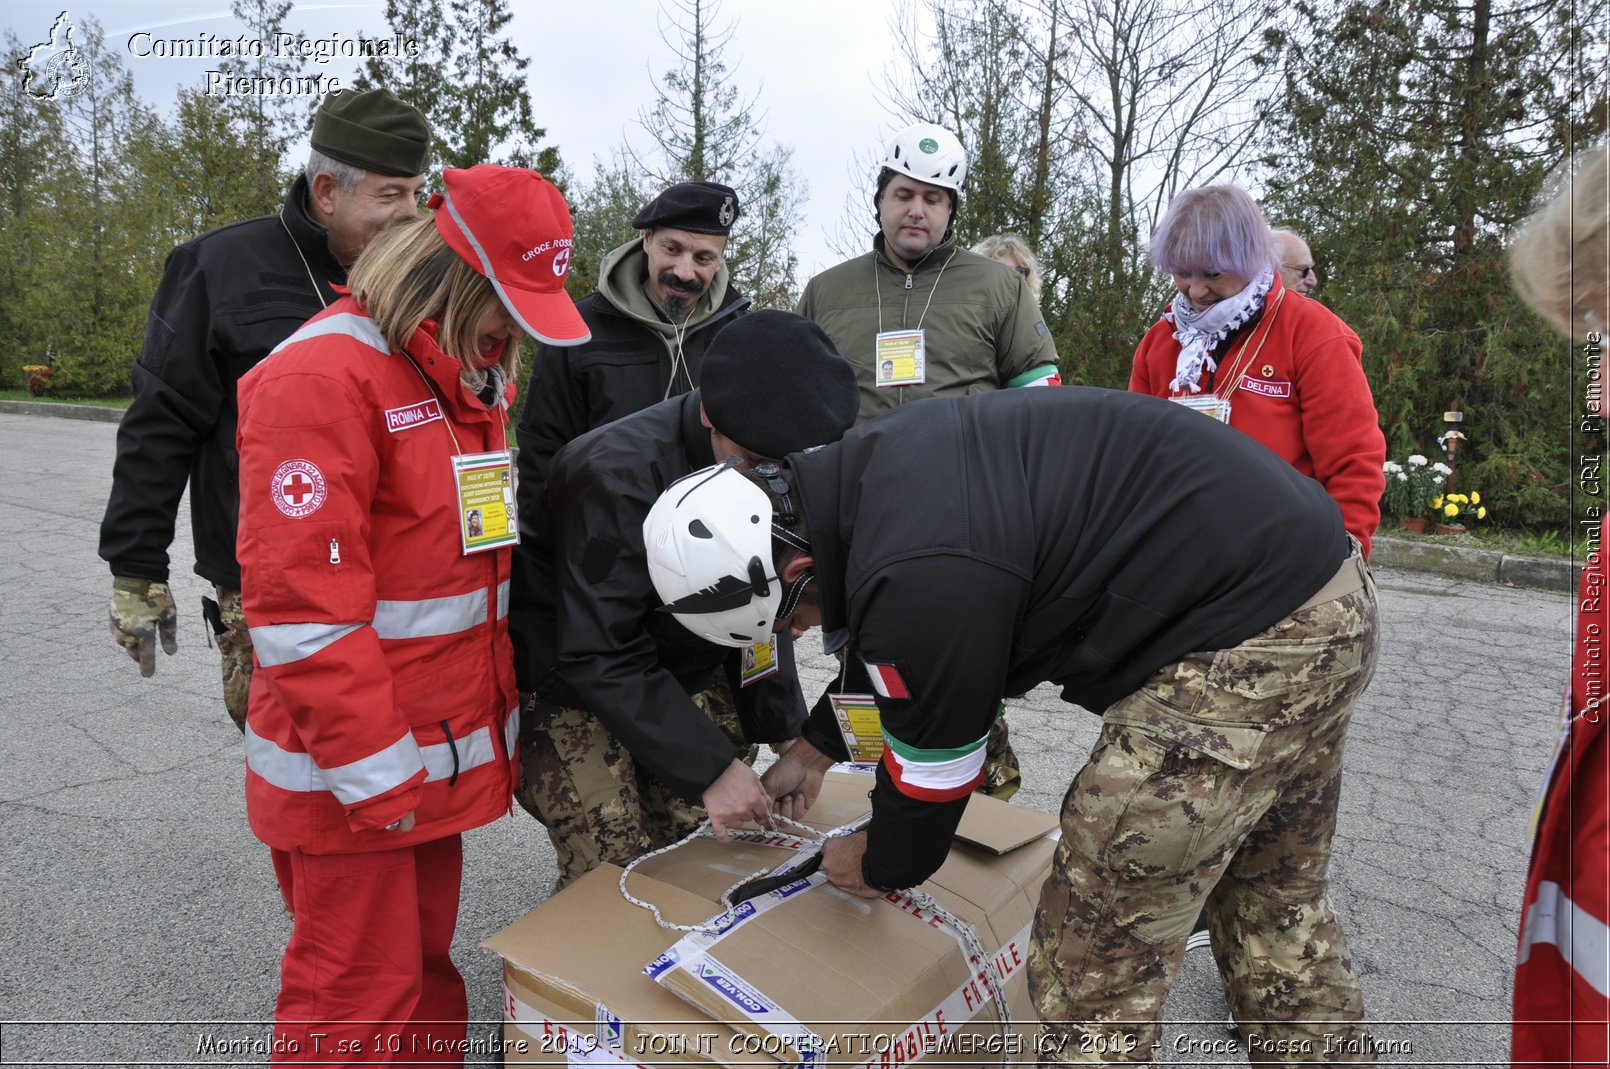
(680, 294)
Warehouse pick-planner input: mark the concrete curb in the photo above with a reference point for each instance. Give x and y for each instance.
(1480, 565)
(97, 413)
(1455, 561)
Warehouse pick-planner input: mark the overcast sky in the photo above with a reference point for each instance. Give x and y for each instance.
(814, 67)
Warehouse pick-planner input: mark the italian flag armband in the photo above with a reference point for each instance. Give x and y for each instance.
(1045, 375)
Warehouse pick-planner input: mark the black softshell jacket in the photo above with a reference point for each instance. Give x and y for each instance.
(225, 301)
(584, 619)
(981, 546)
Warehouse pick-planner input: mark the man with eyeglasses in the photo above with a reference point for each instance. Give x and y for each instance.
(1296, 262)
(226, 299)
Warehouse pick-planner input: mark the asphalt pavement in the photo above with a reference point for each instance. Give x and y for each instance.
(139, 922)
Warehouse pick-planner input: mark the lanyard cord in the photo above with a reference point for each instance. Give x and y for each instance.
(676, 356)
(877, 285)
(311, 281)
(1243, 363)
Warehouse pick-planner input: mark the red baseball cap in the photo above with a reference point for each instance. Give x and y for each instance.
(512, 225)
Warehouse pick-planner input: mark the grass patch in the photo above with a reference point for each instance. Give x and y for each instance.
(1518, 541)
(97, 402)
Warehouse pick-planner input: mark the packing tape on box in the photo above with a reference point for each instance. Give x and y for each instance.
(693, 956)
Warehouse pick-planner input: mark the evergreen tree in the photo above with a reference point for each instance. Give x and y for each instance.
(702, 130)
(270, 120)
(1414, 136)
(468, 82)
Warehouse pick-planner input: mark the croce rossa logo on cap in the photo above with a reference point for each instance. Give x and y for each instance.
(561, 259)
(928, 145)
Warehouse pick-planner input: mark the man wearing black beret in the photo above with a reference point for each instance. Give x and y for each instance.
(226, 299)
(639, 727)
(661, 300)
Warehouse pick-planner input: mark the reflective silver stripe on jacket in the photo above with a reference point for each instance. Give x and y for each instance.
(1581, 938)
(365, 778)
(431, 617)
(378, 773)
(347, 324)
(278, 644)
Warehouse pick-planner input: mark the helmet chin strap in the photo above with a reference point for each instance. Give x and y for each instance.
(795, 591)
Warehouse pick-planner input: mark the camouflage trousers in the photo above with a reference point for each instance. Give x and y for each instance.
(1002, 777)
(1215, 783)
(597, 803)
(228, 626)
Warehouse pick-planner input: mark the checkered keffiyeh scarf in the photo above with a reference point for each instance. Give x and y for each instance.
(1198, 332)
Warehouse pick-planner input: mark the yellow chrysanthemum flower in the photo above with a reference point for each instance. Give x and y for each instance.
(1436, 502)
(1481, 513)
(1450, 510)
(1475, 498)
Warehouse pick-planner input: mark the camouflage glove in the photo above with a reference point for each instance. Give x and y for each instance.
(141, 610)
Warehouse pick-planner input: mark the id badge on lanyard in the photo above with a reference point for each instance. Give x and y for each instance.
(1208, 404)
(860, 725)
(760, 661)
(485, 483)
(899, 359)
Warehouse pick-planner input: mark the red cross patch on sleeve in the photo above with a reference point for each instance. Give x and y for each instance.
(297, 488)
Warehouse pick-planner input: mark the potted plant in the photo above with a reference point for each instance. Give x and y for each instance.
(1455, 513)
(1411, 487)
(38, 378)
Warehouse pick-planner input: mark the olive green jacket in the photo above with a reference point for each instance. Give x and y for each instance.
(982, 328)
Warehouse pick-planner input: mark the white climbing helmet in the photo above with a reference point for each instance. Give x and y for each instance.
(929, 153)
(709, 548)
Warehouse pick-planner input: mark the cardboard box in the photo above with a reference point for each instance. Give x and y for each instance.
(806, 974)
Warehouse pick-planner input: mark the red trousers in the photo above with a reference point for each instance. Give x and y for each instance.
(367, 978)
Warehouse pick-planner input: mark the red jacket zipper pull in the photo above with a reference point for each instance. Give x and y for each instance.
(335, 552)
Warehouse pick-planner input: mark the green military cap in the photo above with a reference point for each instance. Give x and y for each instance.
(373, 130)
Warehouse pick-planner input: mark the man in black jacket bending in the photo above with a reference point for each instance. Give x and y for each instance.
(225, 301)
(638, 727)
(1169, 574)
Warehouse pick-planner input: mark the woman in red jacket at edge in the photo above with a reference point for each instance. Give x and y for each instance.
(383, 712)
(1279, 366)
(1562, 970)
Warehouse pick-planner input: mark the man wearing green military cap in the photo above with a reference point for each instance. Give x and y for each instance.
(226, 299)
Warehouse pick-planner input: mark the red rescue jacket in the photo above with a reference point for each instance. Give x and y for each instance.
(384, 677)
(1304, 396)
(1562, 970)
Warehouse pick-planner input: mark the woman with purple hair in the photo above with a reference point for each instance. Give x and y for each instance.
(1285, 371)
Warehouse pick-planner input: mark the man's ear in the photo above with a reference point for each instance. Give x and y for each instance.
(704, 420)
(797, 565)
(323, 189)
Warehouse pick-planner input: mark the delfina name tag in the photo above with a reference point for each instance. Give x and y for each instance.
(900, 359)
(1208, 404)
(485, 484)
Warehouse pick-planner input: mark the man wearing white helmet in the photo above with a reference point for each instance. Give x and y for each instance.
(920, 316)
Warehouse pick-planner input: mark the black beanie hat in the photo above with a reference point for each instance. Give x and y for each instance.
(772, 382)
(373, 130)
